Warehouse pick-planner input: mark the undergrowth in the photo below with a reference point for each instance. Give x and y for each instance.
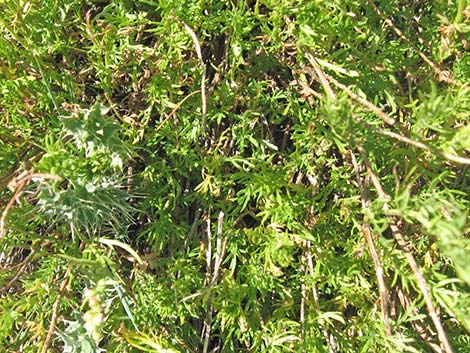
(234, 176)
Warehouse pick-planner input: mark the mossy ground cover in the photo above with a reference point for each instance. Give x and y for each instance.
(234, 176)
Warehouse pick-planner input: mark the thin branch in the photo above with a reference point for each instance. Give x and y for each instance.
(367, 232)
(443, 76)
(423, 332)
(10, 204)
(211, 278)
(321, 76)
(219, 249)
(55, 310)
(325, 79)
(411, 261)
(175, 109)
(203, 75)
(418, 144)
(212, 273)
(366, 229)
(303, 290)
(307, 92)
(206, 330)
(23, 266)
(364, 102)
(18, 184)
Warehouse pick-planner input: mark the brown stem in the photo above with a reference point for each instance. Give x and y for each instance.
(409, 257)
(443, 76)
(367, 232)
(55, 310)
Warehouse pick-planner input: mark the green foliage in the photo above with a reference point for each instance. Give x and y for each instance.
(202, 176)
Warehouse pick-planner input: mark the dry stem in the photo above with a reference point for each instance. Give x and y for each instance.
(321, 76)
(10, 204)
(443, 76)
(212, 272)
(303, 290)
(175, 109)
(409, 257)
(219, 249)
(367, 232)
(55, 310)
(18, 184)
(22, 267)
(418, 325)
(325, 79)
(366, 229)
(418, 144)
(203, 75)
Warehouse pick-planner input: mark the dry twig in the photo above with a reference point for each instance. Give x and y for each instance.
(219, 249)
(55, 310)
(22, 267)
(203, 75)
(418, 144)
(15, 198)
(364, 102)
(321, 76)
(367, 232)
(325, 79)
(409, 257)
(423, 329)
(175, 109)
(366, 229)
(17, 185)
(212, 272)
(303, 290)
(443, 76)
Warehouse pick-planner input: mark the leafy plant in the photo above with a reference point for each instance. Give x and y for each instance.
(254, 176)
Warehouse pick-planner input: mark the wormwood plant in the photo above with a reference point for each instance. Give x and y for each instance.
(234, 176)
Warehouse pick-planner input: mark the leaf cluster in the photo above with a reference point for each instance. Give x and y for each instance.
(253, 176)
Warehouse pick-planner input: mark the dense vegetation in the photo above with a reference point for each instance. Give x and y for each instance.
(234, 176)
